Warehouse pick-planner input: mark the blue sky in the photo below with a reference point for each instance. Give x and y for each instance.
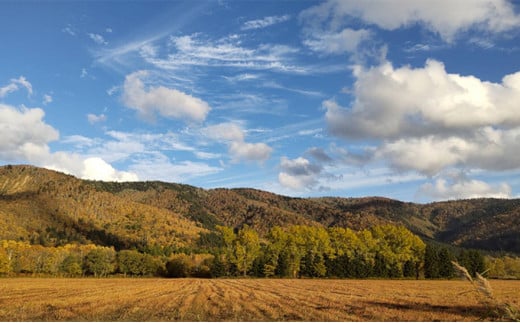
(413, 100)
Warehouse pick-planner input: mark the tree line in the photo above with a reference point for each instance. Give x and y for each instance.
(297, 251)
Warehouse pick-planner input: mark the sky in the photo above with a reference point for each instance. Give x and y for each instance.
(412, 100)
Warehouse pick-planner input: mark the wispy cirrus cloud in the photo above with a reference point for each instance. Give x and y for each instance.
(14, 85)
(264, 22)
(275, 85)
(146, 154)
(69, 30)
(197, 50)
(97, 38)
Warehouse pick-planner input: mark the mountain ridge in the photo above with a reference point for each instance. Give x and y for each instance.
(49, 207)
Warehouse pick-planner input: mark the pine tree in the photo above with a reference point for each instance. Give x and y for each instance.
(431, 262)
(445, 257)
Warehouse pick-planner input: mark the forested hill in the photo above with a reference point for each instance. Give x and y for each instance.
(51, 208)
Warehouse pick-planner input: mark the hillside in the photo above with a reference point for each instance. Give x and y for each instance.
(52, 208)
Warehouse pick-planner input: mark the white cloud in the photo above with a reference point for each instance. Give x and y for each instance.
(93, 118)
(238, 148)
(169, 103)
(14, 85)
(345, 41)
(46, 99)
(23, 131)
(9, 88)
(96, 168)
(264, 22)
(463, 188)
(435, 101)
(242, 77)
(275, 85)
(447, 18)
(113, 90)
(98, 39)
(196, 50)
(298, 174)
(227, 131)
(427, 120)
(241, 150)
(24, 137)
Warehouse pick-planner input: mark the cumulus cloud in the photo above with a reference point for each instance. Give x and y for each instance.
(460, 187)
(238, 148)
(319, 154)
(24, 137)
(241, 150)
(264, 22)
(447, 18)
(426, 119)
(435, 101)
(14, 85)
(23, 131)
(169, 103)
(96, 168)
(299, 173)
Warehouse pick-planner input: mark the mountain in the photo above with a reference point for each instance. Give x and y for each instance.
(52, 208)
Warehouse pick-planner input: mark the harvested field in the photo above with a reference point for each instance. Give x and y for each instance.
(127, 299)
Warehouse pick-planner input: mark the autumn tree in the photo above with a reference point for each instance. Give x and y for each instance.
(179, 266)
(71, 265)
(5, 263)
(129, 262)
(396, 246)
(347, 249)
(246, 248)
(240, 249)
(315, 249)
(277, 238)
(100, 261)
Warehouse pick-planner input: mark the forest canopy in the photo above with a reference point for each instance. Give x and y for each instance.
(296, 252)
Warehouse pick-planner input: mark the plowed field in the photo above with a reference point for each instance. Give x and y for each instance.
(127, 299)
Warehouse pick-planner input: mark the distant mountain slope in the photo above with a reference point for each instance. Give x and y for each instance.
(44, 206)
(39, 205)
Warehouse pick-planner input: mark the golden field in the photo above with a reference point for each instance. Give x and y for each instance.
(129, 299)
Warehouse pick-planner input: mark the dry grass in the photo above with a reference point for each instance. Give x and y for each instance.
(114, 299)
(482, 287)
